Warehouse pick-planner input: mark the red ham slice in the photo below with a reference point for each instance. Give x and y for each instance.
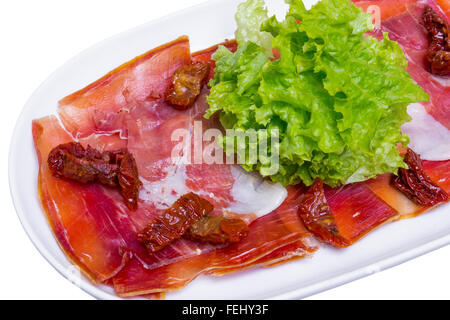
(290, 252)
(91, 222)
(382, 187)
(342, 215)
(388, 8)
(402, 19)
(103, 105)
(357, 210)
(445, 5)
(267, 242)
(439, 172)
(87, 234)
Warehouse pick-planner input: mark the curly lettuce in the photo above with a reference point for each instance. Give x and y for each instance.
(249, 17)
(336, 96)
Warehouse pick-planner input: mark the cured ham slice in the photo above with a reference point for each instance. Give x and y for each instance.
(445, 5)
(102, 106)
(267, 234)
(357, 210)
(385, 8)
(91, 222)
(88, 237)
(439, 172)
(382, 187)
(290, 252)
(402, 19)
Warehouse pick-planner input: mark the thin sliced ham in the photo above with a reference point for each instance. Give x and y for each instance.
(445, 5)
(402, 19)
(290, 252)
(439, 172)
(387, 8)
(87, 234)
(382, 187)
(91, 222)
(103, 105)
(357, 210)
(264, 245)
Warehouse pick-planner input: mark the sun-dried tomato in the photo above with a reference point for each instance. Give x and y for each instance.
(129, 182)
(317, 216)
(218, 230)
(115, 168)
(438, 54)
(186, 84)
(416, 184)
(174, 222)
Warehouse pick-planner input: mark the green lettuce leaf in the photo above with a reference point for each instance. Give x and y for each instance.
(249, 17)
(336, 96)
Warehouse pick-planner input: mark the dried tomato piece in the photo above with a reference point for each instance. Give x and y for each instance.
(115, 168)
(128, 178)
(186, 84)
(317, 216)
(72, 161)
(438, 54)
(174, 222)
(218, 230)
(416, 184)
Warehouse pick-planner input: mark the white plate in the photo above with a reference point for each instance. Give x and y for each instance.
(385, 247)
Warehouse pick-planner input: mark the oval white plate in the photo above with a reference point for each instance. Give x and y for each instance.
(383, 248)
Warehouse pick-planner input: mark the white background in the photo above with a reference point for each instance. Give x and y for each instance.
(36, 37)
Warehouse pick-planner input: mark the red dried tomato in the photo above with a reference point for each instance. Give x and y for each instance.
(438, 54)
(218, 230)
(115, 168)
(186, 84)
(416, 184)
(317, 216)
(128, 178)
(174, 222)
